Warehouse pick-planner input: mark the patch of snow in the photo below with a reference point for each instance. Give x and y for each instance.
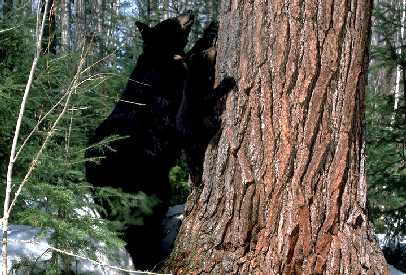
(88, 211)
(383, 240)
(171, 224)
(394, 271)
(26, 242)
(30, 243)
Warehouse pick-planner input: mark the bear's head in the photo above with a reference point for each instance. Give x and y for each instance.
(207, 41)
(167, 38)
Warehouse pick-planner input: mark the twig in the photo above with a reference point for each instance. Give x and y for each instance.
(35, 161)
(74, 85)
(100, 263)
(10, 29)
(97, 62)
(37, 259)
(17, 133)
(140, 83)
(88, 259)
(94, 77)
(69, 132)
(38, 124)
(125, 101)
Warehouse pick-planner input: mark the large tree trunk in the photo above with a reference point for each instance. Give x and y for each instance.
(284, 188)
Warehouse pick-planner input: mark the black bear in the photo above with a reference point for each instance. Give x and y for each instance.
(198, 118)
(146, 118)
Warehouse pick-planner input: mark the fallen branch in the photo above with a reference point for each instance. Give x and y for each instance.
(60, 251)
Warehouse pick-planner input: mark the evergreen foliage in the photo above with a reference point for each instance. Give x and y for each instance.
(386, 123)
(57, 197)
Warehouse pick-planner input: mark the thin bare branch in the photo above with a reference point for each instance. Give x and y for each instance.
(47, 114)
(36, 159)
(88, 259)
(125, 101)
(17, 133)
(38, 124)
(10, 29)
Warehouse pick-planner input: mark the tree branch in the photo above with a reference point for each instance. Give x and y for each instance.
(60, 251)
(17, 133)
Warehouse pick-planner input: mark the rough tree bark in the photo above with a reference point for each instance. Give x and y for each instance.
(284, 188)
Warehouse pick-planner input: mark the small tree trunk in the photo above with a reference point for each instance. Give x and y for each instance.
(100, 33)
(400, 37)
(403, 68)
(7, 7)
(148, 19)
(80, 33)
(49, 43)
(166, 10)
(284, 188)
(65, 24)
(110, 26)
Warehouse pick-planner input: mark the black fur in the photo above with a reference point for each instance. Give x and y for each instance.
(141, 162)
(198, 118)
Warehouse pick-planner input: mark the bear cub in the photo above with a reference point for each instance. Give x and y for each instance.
(198, 118)
(145, 119)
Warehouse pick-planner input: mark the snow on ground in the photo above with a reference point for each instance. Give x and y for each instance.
(21, 246)
(26, 242)
(394, 271)
(383, 240)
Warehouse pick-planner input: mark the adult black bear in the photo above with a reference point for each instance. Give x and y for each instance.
(141, 162)
(198, 118)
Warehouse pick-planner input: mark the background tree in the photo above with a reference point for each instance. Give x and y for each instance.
(386, 122)
(386, 127)
(284, 188)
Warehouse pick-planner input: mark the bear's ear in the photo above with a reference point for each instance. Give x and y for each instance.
(143, 28)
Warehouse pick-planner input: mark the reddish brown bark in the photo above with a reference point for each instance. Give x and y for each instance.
(284, 188)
